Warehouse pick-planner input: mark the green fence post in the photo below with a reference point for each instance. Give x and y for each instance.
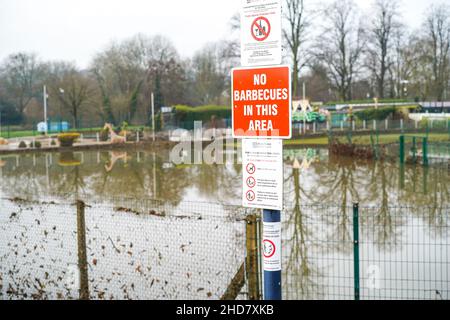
(425, 180)
(356, 249)
(402, 176)
(402, 149)
(425, 151)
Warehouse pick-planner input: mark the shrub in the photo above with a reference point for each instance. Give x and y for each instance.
(67, 139)
(374, 114)
(53, 143)
(35, 144)
(203, 113)
(22, 145)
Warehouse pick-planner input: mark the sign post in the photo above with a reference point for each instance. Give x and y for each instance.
(272, 254)
(261, 111)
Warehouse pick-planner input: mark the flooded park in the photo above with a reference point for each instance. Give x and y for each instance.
(246, 151)
(154, 230)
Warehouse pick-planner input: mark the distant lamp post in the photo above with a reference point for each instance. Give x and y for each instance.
(45, 96)
(61, 93)
(405, 87)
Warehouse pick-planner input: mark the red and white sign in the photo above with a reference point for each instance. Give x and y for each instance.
(261, 32)
(261, 102)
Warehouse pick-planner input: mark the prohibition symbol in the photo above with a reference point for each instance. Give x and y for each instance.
(250, 195)
(251, 182)
(268, 248)
(260, 29)
(251, 168)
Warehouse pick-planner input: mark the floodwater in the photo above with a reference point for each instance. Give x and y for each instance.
(191, 241)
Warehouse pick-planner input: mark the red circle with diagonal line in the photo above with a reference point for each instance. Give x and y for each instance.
(271, 246)
(260, 29)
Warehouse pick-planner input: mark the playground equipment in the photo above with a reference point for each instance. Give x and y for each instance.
(3, 142)
(303, 112)
(115, 155)
(115, 138)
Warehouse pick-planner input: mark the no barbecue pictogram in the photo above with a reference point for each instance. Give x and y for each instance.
(260, 28)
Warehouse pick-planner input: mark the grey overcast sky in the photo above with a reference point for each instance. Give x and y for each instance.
(75, 30)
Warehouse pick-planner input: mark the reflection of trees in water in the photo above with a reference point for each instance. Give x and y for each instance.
(340, 185)
(427, 188)
(219, 182)
(301, 275)
(437, 216)
(382, 222)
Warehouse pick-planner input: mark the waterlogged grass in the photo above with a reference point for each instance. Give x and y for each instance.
(17, 134)
(365, 140)
(30, 133)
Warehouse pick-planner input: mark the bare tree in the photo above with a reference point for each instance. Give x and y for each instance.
(381, 41)
(341, 45)
(210, 68)
(294, 35)
(76, 91)
(21, 73)
(437, 26)
(128, 71)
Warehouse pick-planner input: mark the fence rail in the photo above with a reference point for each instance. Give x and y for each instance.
(58, 248)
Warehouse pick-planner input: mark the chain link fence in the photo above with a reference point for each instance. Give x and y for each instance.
(120, 248)
(127, 249)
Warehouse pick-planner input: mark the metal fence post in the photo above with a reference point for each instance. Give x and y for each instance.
(82, 254)
(272, 278)
(356, 249)
(402, 149)
(425, 151)
(252, 269)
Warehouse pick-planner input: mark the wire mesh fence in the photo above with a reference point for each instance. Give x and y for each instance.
(122, 248)
(132, 250)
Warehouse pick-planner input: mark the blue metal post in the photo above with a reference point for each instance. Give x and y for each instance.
(272, 279)
(356, 250)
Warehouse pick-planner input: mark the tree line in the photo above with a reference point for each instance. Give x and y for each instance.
(338, 51)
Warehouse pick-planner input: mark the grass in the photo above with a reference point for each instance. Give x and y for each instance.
(17, 134)
(30, 133)
(365, 140)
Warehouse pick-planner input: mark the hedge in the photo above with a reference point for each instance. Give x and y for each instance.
(374, 114)
(202, 113)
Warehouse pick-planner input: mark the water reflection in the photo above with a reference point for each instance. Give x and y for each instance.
(317, 221)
